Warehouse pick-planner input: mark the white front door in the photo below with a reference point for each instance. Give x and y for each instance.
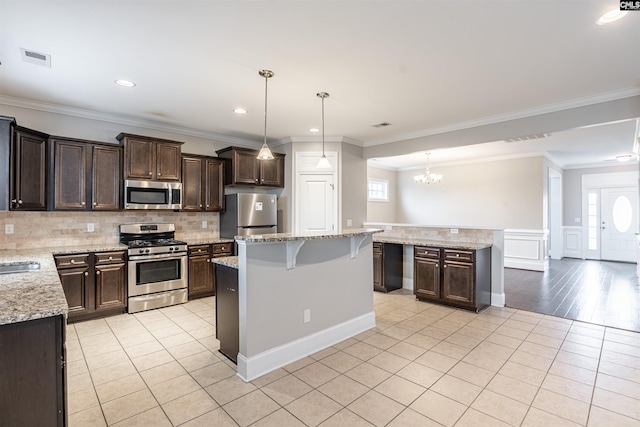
(317, 198)
(618, 219)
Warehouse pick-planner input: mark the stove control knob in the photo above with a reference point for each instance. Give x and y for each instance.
(170, 249)
(146, 250)
(177, 248)
(141, 251)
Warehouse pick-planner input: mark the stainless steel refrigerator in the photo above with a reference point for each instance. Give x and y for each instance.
(248, 214)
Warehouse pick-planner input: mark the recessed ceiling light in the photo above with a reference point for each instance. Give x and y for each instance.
(624, 158)
(314, 130)
(240, 110)
(125, 83)
(611, 16)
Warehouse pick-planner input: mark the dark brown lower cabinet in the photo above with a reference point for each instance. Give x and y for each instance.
(227, 312)
(95, 284)
(457, 277)
(32, 372)
(202, 271)
(387, 266)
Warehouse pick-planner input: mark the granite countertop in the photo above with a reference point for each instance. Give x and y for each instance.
(229, 261)
(408, 240)
(32, 295)
(284, 237)
(209, 241)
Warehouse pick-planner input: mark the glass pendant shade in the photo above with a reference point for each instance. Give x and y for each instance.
(265, 153)
(323, 163)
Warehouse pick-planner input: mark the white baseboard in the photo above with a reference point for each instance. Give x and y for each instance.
(250, 368)
(497, 299)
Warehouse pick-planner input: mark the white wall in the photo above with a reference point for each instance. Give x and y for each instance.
(572, 189)
(498, 194)
(383, 211)
(354, 185)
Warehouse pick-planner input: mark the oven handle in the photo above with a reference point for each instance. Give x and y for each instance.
(175, 255)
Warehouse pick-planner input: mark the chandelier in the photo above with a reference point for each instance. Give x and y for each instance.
(428, 177)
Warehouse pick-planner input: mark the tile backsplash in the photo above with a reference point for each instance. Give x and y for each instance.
(62, 229)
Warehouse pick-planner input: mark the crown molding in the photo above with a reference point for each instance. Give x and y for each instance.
(549, 108)
(124, 120)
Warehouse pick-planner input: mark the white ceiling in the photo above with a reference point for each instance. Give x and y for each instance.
(419, 65)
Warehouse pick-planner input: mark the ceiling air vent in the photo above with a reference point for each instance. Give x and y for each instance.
(528, 137)
(42, 59)
(382, 125)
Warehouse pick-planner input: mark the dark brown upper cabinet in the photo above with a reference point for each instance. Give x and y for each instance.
(151, 158)
(27, 175)
(202, 183)
(244, 169)
(84, 175)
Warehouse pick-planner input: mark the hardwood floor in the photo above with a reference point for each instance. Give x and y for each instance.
(599, 292)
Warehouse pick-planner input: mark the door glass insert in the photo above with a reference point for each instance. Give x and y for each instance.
(592, 221)
(622, 214)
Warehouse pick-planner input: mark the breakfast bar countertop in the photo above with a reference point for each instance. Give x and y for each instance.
(287, 237)
(416, 241)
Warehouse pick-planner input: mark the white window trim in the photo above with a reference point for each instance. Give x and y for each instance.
(377, 180)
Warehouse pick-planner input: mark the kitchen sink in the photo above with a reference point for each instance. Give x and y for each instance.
(19, 267)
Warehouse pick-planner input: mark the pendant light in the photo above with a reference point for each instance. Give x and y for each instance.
(265, 153)
(323, 163)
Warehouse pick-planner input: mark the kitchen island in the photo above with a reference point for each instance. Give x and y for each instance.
(301, 293)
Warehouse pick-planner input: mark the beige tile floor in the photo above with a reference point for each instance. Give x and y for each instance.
(423, 365)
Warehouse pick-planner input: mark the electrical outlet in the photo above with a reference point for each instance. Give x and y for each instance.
(91, 227)
(307, 315)
(349, 223)
(454, 231)
(8, 229)
(204, 224)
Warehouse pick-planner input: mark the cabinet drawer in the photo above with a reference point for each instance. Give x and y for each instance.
(222, 248)
(66, 261)
(452, 254)
(109, 257)
(425, 252)
(377, 247)
(199, 250)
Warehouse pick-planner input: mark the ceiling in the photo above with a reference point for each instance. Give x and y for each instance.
(418, 65)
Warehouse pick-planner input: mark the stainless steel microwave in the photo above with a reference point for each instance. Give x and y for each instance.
(141, 194)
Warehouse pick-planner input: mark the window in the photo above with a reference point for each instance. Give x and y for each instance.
(378, 190)
(592, 221)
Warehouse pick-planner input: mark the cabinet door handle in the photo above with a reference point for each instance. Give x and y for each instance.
(150, 173)
(208, 260)
(19, 202)
(73, 261)
(222, 248)
(159, 174)
(110, 258)
(207, 205)
(97, 273)
(200, 205)
(94, 203)
(14, 201)
(199, 250)
(86, 273)
(445, 266)
(457, 255)
(82, 203)
(437, 265)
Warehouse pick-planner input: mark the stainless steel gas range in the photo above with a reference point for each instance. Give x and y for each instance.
(157, 268)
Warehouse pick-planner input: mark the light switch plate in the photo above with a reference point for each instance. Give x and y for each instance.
(349, 223)
(8, 229)
(91, 227)
(204, 224)
(307, 315)
(454, 231)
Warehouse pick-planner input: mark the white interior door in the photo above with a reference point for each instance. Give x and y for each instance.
(317, 199)
(618, 219)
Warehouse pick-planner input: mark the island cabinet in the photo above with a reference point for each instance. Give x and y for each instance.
(94, 283)
(33, 385)
(458, 277)
(84, 175)
(27, 176)
(244, 168)
(202, 271)
(202, 183)
(387, 266)
(151, 158)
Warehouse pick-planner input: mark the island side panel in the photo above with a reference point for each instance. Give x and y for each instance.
(326, 280)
